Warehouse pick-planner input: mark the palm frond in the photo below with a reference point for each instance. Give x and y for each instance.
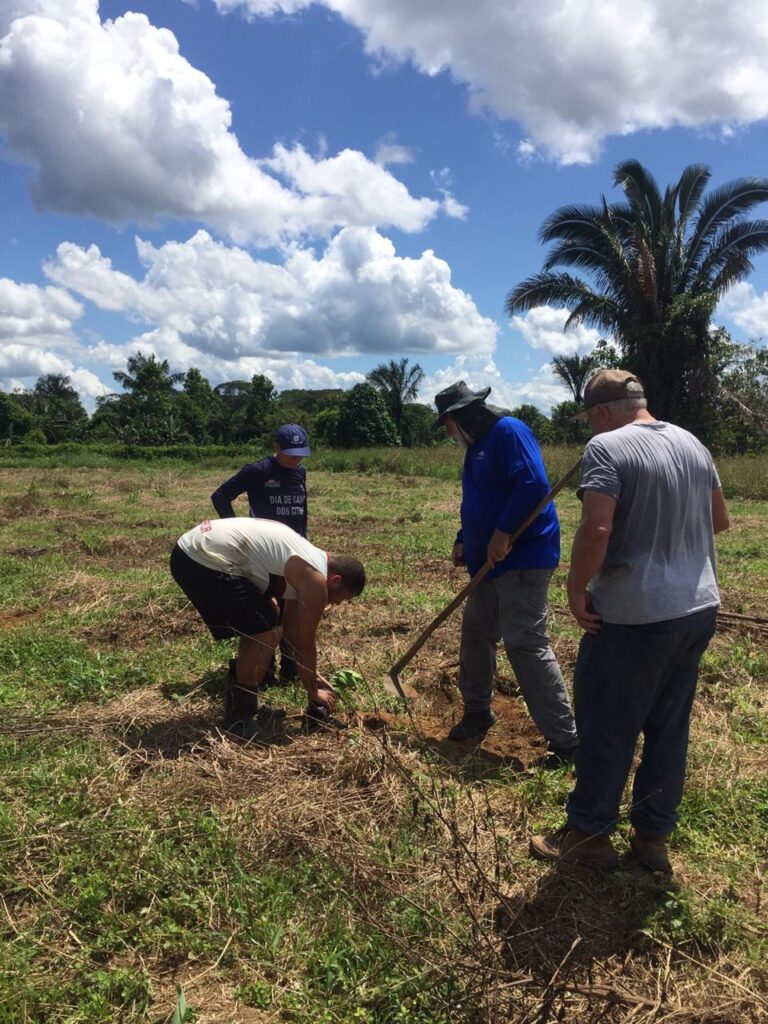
(597, 311)
(547, 289)
(722, 205)
(570, 254)
(740, 267)
(571, 222)
(574, 372)
(728, 255)
(642, 190)
(690, 189)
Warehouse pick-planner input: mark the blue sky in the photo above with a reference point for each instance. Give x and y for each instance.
(305, 189)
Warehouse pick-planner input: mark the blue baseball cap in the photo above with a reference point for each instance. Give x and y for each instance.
(292, 439)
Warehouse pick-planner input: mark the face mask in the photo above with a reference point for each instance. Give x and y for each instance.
(460, 437)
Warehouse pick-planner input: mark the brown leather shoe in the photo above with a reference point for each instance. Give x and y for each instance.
(651, 851)
(569, 844)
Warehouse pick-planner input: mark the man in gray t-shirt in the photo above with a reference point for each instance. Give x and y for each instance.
(660, 560)
(643, 586)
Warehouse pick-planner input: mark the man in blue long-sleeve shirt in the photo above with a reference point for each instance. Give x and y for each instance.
(277, 489)
(503, 481)
(276, 486)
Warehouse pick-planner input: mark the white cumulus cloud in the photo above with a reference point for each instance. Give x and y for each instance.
(27, 310)
(573, 73)
(543, 328)
(118, 124)
(36, 337)
(747, 309)
(542, 389)
(357, 297)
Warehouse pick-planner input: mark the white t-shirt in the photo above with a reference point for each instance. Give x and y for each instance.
(253, 548)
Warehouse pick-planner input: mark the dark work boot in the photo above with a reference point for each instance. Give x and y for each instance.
(570, 844)
(289, 674)
(651, 851)
(559, 757)
(241, 706)
(472, 726)
(270, 676)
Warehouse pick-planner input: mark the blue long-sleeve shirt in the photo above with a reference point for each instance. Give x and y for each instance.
(503, 481)
(274, 492)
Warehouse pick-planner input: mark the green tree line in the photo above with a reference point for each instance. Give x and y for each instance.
(157, 407)
(161, 408)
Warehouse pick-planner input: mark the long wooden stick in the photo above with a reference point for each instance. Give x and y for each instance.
(479, 576)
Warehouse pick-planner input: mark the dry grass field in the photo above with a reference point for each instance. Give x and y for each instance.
(371, 873)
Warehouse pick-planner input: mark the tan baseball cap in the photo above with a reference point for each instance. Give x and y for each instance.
(610, 386)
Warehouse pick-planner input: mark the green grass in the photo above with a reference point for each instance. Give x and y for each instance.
(743, 476)
(331, 878)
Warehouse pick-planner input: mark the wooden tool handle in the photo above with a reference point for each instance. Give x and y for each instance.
(478, 577)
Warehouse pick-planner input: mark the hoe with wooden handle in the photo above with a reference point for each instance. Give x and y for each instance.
(393, 676)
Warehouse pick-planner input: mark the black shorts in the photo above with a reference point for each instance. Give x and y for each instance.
(228, 605)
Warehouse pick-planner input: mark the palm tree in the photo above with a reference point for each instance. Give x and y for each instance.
(574, 371)
(398, 384)
(147, 377)
(658, 264)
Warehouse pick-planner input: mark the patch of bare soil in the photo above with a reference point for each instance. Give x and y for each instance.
(134, 628)
(13, 616)
(513, 742)
(128, 552)
(28, 552)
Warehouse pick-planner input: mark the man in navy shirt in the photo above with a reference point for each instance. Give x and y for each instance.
(502, 482)
(277, 489)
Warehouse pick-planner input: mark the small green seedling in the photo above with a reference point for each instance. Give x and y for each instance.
(345, 681)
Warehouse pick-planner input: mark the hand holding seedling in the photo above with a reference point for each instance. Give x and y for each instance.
(324, 693)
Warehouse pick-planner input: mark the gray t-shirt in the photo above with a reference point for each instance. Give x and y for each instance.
(660, 562)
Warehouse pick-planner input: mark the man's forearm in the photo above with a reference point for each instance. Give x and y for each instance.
(587, 555)
(303, 647)
(223, 506)
(306, 662)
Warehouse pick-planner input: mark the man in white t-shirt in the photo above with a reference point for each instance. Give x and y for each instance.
(235, 571)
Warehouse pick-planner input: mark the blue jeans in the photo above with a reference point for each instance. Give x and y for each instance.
(630, 680)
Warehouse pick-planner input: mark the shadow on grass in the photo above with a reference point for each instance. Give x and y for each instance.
(467, 761)
(578, 917)
(189, 726)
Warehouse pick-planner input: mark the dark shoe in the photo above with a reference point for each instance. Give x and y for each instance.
(242, 728)
(270, 678)
(317, 716)
(239, 702)
(289, 673)
(473, 725)
(651, 851)
(569, 844)
(559, 757)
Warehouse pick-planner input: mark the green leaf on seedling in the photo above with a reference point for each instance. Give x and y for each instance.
(346, 680)
(182, 1013)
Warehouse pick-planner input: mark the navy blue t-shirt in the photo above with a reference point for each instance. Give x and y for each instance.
(274, 492)
(503, 481)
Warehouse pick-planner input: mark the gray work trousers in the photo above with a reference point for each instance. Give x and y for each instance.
(513, 608)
